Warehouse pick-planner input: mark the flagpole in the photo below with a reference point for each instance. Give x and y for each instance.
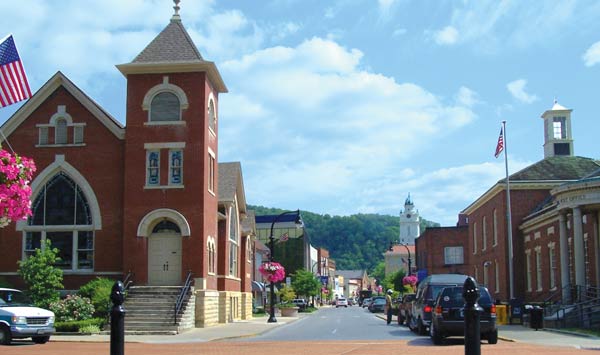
(509, 219)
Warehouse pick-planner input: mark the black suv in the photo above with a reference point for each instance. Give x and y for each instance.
(427, 292)
(448, 315)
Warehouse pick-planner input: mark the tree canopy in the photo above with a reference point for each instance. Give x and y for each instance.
(355, 242)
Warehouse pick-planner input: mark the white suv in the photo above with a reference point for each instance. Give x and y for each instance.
(19, 319)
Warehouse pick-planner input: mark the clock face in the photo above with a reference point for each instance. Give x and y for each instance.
(408, 216)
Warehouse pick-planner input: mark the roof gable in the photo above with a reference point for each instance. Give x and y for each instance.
(231, 184)
(56, 81)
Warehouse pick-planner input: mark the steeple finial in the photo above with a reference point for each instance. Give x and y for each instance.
(176, 16)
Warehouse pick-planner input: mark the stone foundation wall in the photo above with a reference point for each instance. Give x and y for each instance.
(207, 308)
(247, 300)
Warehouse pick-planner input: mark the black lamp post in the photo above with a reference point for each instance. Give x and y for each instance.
(409, 259)
(298, 223)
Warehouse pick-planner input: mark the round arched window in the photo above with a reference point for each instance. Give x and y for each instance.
(165, 107)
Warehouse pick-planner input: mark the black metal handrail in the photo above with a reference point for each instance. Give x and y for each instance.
(128, 281)
(181, 297)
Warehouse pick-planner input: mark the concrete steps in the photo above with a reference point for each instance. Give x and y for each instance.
(151, 309)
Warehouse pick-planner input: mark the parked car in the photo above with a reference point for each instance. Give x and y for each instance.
(405, 308)
(377, 305)
(448, 316)
(427, 292)
(366, 302)
(20, 319)
(300, 303)
(341, 302)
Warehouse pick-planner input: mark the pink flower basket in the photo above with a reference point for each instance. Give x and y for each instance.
(272, 271)
(15, 192)
(410, 280)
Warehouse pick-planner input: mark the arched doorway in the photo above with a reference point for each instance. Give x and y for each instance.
(164, 255)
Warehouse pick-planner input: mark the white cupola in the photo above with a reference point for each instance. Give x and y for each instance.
(558, 140)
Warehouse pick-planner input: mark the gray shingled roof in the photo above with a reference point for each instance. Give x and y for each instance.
(350, 274)
(557, 168)
(229, 174)
(173, 44)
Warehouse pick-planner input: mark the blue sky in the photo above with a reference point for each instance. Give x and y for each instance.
(346, 107)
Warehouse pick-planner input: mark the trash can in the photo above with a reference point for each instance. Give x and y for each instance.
(536, 317)
(501, 315)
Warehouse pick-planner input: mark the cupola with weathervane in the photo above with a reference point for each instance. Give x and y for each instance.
(558, 138)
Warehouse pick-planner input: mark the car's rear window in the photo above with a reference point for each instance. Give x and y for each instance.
(453, 297)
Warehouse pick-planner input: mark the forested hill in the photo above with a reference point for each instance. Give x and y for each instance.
(354, 242)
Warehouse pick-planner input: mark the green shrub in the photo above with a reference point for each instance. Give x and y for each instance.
(91, 328)
(73, 307)
(98, 291)
(78, 325)
(43, 279)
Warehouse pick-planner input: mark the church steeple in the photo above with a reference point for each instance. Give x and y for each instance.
(409, 223)
(558, 140)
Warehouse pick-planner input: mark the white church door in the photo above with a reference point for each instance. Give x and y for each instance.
(164, 259)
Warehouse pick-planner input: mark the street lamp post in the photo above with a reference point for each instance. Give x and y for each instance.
(409, 259)
(298, 222)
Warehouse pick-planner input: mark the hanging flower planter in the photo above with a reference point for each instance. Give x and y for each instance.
(272, 271)
(15, 190)
(410, 280)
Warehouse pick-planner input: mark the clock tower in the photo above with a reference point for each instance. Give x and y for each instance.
(409, 223)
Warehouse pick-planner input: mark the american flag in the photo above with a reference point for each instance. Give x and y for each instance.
(13, 82)
(500, 146)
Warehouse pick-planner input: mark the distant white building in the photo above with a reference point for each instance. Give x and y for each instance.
(409, 223)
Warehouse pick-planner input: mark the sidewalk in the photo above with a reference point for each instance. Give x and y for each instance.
(237, 329)
(549, 337)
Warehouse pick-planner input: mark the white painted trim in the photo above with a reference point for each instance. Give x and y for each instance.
(147, 222)
(165, 86)
(165, 123)
(45, 175)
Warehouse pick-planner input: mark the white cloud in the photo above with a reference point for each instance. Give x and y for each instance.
(446, 36)
(592, 55)
(517, 90)
(466, 97)
(322, 125)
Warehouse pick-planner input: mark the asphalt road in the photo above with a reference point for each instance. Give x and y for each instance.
(338, 324)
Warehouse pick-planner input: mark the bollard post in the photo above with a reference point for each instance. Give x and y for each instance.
(472, 313)
(117, 320)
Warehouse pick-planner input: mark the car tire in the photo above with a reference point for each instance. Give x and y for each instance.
(492, 337)
(5, 336)
(436, 337)
(40, 340)
(421, 329)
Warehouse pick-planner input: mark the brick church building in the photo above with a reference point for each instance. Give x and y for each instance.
(149, 198)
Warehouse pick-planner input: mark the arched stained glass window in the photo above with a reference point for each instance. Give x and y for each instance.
(165, 107)
(61, 214)
(60, 202)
